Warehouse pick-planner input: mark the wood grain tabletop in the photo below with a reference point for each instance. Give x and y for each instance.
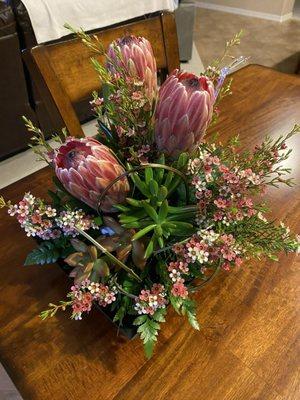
(247, 347)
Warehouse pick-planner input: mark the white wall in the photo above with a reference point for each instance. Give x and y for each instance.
(272, 7)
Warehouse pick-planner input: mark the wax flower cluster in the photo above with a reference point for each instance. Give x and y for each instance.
(41, 220)
(83, 296)
(151, 300)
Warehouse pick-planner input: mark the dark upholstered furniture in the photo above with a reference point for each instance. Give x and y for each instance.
(14, 97)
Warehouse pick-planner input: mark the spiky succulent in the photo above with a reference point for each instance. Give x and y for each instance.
(155, 213)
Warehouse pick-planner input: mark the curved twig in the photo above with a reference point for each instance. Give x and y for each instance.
(197, 287)
(139, 168)
(121, 290)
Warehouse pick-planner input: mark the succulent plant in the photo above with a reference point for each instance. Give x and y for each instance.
(122, 244)
(153, 213)
(86, 263)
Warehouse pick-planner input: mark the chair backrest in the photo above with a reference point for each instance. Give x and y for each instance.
(63, 72)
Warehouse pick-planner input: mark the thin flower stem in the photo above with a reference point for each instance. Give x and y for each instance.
(197, 287)
(121, 290)
(109, 255)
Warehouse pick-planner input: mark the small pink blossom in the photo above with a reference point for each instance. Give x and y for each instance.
(220, 203)
(179, 290)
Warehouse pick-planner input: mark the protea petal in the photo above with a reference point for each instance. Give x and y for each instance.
(183, 112)
(85, 167)
(137, 58)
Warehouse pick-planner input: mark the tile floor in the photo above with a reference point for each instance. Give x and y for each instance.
(268, 43)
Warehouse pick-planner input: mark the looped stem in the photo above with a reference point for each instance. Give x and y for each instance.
(194, 289)
(139, 168)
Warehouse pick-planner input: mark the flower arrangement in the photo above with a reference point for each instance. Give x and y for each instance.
(150, 211)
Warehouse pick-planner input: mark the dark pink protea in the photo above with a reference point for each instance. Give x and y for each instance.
(135, 56)
(184, 110)
(85, 167)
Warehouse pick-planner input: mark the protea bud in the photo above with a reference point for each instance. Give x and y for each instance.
(134, 55)
(85, 167)
(184, 110)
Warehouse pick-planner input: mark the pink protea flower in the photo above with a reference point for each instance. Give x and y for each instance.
(184, 110)
(135, 56)
(85, 167)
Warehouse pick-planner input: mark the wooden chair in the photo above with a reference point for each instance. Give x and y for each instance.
(64, 75)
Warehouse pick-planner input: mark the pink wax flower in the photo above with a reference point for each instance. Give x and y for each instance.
(179, 290)
(184, 110)
(151, 300)
(85, 167)
(134, 55)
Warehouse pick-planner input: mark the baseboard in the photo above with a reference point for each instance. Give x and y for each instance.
(241, 11)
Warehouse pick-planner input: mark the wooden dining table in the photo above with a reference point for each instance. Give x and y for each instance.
(247, 346)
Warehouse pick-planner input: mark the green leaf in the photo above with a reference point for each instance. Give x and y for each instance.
(79, 245)
(150, 248)
(169, 178)
(182, 160)
(120, 314)
(159, 172)
(100, 267)
(122, 208)
(134, 202)
(45, 253)
(176, 303)
(153, 186)
(161, 242)
(140, 184)
(181, 228)
(132, 218)
(55, 198)
(158, 230)
(140, 320)
(176, 181)
(182, 210)
(122, 311)
(163, 211)
(148, 348)
(143, 232)
(148, 175)
(193, 320)
(98, 220)
(150, 211)
(159, 315)
(130, 225)
(189, 308)
(148, 330)
(162, 193)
